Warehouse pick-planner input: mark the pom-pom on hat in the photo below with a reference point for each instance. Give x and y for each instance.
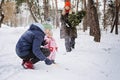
(67, 3)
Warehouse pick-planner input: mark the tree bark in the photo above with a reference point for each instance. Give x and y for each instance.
(116, 18)
(104, 20)
(30, 8)
(85, 18)
(97, 4)
(46, 9)
(1, 13)
(77, 5)
(53, 12)
(93, 21)
(57, 20)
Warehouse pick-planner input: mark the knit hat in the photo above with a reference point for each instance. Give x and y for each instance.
(67, 4)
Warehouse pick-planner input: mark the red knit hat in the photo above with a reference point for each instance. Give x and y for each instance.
(67, 3)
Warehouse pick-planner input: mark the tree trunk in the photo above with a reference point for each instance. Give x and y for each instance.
(1, 13)
(73, 2)
(57, 20)
(46, 9)
(97, 4)
(116, 19)
(93, 21)
(53, 12)
(85, 18)
(38, 8)
(77, 5)
(104, 20)
(30, 8)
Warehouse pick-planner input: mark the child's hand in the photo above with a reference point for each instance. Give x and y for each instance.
(51, 49)
(56, 48)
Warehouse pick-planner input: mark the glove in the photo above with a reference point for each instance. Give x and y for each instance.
(56, 48)
(48, 62)
(44, 43)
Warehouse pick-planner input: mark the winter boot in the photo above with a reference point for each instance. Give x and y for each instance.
(53, 61)
(69, 50)
(27, 65)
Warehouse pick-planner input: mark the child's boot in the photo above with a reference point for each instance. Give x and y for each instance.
(53, 61)
(27, 65)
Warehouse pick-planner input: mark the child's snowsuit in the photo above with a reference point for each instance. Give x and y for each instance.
(51, 44)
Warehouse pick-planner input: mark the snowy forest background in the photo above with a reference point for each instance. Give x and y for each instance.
(101, 13)
(95, 57)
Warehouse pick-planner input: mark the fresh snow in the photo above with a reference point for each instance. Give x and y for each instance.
(88, 61)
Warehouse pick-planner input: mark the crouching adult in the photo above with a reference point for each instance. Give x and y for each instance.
(29, 49)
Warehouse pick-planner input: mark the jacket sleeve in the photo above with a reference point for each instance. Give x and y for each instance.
(36, 48)
(64, 19)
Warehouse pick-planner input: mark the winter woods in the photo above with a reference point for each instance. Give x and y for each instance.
(101, 13)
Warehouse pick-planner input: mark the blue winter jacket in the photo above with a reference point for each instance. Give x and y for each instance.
(31, 41)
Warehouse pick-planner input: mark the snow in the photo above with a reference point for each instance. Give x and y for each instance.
(88, 61)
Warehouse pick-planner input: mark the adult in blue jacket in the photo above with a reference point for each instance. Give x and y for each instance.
(28, 46)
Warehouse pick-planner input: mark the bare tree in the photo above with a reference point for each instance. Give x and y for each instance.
(85, 24)
(97, 4)
(1, 13)
(104, 21)
(57, 20)
(93, 21)
(78, 1)
(116, 18)
(30, 5)
(46, 9)
(9, 13)
(53, 12)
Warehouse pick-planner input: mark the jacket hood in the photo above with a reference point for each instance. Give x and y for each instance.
(37, 26)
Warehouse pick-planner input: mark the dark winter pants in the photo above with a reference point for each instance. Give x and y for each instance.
(69, 43)
(31, 57)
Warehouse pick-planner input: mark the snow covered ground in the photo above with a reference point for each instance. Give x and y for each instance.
(88, 61)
